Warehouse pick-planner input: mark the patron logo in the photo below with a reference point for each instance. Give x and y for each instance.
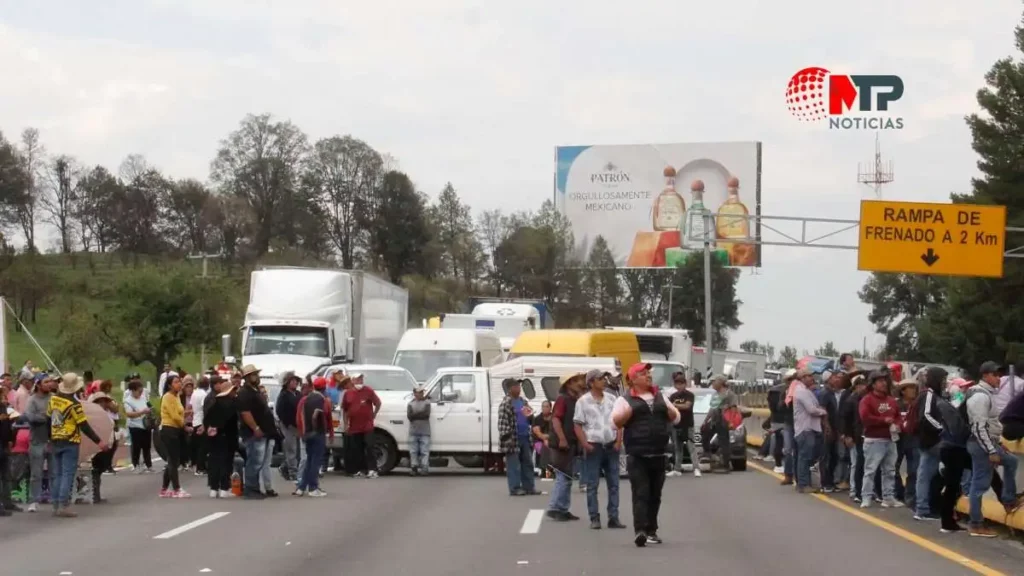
(610, 175)
(849, 102)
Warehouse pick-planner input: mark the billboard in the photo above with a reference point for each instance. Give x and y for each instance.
(647, 201)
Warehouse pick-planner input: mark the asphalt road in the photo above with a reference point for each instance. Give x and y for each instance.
(456, 523)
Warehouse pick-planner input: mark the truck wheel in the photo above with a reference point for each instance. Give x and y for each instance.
(387, 452)
(739, 465)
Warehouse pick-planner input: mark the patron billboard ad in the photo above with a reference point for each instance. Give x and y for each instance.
(650, 202)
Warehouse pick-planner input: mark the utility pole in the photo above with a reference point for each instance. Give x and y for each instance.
(709, 340)
(205, 258)
(671, 289)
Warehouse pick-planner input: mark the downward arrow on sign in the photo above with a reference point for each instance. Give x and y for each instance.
(930, 257)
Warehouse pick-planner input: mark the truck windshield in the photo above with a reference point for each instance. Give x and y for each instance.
(298, 340)
(423, 364)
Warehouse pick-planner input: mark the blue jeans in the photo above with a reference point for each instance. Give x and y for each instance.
(981, 478)
(519, 466)
(316, 444)
(927, 468)
(257, 457)
(62, 475)
(879, 455)
(38, 461)
(561, 494)
(808, 447)
(602, 459)
(419, 452)
(788, 456)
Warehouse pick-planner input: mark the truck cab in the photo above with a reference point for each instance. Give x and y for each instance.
(422, 351)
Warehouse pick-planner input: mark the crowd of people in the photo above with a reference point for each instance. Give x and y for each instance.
(859, 429)
(215, 426)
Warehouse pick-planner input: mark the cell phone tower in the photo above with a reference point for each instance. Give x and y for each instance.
(877, 173)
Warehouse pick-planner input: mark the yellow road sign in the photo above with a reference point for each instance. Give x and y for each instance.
(925, 238)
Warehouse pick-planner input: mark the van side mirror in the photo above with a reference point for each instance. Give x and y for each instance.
(449, 396)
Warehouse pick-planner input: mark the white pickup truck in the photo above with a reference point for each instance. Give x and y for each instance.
(464, 410)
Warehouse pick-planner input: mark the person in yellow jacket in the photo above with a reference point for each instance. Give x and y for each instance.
(172, 430)
(67, 424)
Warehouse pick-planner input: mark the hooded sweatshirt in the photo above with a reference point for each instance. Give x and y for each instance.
(874, 409)
(984, 420)
(930, 425)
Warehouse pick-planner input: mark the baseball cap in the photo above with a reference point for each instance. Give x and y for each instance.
(637, 368)
(320, 383)
(790, 374)
(355, 375)
(989, 367)
(595, 374)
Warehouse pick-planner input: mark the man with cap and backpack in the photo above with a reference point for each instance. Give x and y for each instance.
(313, 425)
(986, 450)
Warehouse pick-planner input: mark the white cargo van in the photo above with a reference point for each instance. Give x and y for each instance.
(422, 351)
(464, 407)
(662, 344)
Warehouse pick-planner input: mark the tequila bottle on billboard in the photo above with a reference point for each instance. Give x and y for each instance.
(669, 206)
(733, 222)
(696, 223)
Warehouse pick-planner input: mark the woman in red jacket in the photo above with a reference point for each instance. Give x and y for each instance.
(880, 415)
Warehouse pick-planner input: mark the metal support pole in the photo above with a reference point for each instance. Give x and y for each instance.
(206, 268)
(671, 289)
(709, 341)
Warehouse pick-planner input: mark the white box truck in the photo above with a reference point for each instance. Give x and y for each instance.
(301, 318)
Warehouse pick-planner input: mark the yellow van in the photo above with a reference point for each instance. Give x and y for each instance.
(617, 344)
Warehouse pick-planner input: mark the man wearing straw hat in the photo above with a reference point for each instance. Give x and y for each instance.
(563, 445)
(257, 430)
(67, 424)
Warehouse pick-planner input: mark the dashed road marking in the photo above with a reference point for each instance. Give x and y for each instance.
(190, 525)
(896, 530)
(532, 523)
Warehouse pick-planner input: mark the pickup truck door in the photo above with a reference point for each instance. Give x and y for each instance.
(456, 416)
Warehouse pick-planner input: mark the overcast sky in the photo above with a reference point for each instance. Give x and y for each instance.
(480, 93)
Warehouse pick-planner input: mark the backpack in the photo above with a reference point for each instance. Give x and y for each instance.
(313, 413)
(958, 429)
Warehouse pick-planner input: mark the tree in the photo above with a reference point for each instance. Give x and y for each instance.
(14, 184)
(188, 213)
(898, 303)
(93, 209)
(33, 154)
(452, 221)
(136, 208)
(688, 308)
(342, 174)
(398, 230)
(154, 314)
(59, 201)
(603, 286)
(788, 357)
(260, 162)
(750, 346)
(827, 350)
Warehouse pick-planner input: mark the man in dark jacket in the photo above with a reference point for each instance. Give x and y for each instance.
(852, 432)
(285, 407)
(929, 432)
(776, 396)
(828, 398)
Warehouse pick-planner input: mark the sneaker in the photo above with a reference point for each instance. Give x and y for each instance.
(33, 507)
(951, 529)
(517, 492)
(768, 458)
(827, 489)
(299, 492)
(696, 473)
(981, 531)
(318, 493)
(214, 494)
(139, 470)
(925, 517)
(200, 473)
(843, 486)
(571, 516)
(583, 487)
(180, 494)
(372, 474)
(358, 475)
(595, 523)
(557, 515)
(270, 494)
(893, 504)
(225, 494)
(674, 473)
(866, 503)
(165, 493)
(653, 538)
(787, 481)
(856, 499)
(615, 524)
(779, 470)
(640, 539)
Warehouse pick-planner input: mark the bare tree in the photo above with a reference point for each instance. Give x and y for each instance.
(59, 201)
(260, 163)
(33, 155)
(14, 183)
(344, 173)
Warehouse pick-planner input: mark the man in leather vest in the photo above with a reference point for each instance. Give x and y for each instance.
(644, 416)
(563, 446)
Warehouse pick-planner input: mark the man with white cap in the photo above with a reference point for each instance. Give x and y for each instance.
(601, 443)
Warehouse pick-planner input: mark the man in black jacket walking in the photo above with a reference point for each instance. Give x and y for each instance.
(285, 407)
(929, 432)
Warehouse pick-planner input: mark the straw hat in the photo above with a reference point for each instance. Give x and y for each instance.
(70, 383)
(249, 369)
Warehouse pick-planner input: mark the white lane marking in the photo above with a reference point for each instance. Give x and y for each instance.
(206, 570)
(532, 523)
(287, 543)
(523, 562)
(190, 525)
(65, 574)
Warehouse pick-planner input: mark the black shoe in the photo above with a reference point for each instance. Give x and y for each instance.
(595, 523)
(640, 539)
(253, 496)
(614, 523)
(532, 492)
(557, 515)
(652, 538)
(517, 492)
(270, 494)
(571, 516)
